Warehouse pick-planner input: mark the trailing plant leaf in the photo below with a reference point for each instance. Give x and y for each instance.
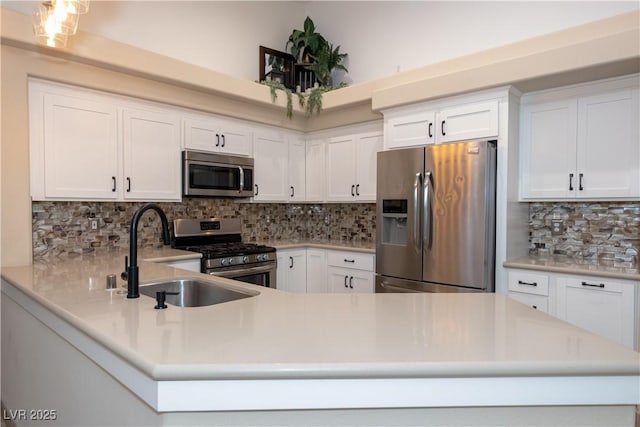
(274, 86)
(314, 99)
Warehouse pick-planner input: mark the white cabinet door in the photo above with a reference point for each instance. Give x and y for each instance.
(201, 134)
(81, 148)
(537, 302)
(152, 169)
(271, 159)
(315, 170)
(316, 271)
(345, 280)
(603, 307)
(367, 147)
(410, 130)
(548, 156)
(608, 162)
(215, 135)
(297, 172)
(341, 174)
(351, 167)
(236, 140)
(470, 121)
(291, 273)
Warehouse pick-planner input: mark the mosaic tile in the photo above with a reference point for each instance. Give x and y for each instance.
(61, 229)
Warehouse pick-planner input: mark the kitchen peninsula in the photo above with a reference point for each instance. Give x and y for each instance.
(279, 358)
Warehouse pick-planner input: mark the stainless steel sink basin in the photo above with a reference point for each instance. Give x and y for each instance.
(194, 292)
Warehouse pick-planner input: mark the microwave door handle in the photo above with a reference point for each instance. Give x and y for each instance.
(241, 179)
(428, 220)
(417, 184)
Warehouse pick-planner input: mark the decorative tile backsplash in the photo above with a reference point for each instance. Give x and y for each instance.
(62, 228)
(599, 232)
(605, 232)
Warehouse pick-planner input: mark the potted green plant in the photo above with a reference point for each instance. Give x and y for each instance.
(306, 43)
(325, 61)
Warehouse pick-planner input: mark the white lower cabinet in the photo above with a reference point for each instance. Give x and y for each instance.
(531, 289)
(291, 274)
(350, 272)
(607, 307)
(315, 270)
(603, 306)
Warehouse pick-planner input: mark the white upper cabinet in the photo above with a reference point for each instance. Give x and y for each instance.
(271, 157)
(74, 148)
(297, 169)
(208, 133)
(478, 120)
(438, 122)
(548, 157)
(86, 145)
(152, 169)
(351, 167)
(410, 130)
(315, 170)
(608, 155)
(581, 142)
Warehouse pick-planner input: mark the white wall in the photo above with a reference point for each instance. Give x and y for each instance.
(380, 37)
(385, 37)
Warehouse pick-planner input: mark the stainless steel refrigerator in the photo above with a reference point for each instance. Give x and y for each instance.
(435, 218)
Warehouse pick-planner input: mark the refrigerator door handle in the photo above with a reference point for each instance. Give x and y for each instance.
(426, 204)
(417, 185)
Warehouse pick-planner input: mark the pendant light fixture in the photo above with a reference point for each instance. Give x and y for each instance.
(56, 20)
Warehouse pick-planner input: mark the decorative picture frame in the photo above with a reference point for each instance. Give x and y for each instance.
(276, 65)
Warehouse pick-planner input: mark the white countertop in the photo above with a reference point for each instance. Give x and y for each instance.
(345, 245)
(281, 336)
(566, 265)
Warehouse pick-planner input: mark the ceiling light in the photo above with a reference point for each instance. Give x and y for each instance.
(55, 20)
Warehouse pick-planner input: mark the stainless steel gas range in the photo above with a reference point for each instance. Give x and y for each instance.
(223, 252)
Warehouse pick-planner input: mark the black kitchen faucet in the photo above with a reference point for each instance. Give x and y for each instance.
(131, 264)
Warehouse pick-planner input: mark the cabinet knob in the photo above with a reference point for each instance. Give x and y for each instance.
(113, 181)
(345, 281)
(128, 185)
(442, 128)
(351, 282)
(291, 262)
(292, 191)
(223, 140)
(430, 130)
(257, 189)
(357, 189)
(352, 190)
(217, 139)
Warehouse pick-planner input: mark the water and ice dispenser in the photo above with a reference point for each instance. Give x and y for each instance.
(394, 222)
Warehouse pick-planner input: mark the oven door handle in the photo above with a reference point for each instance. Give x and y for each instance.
(243, 271)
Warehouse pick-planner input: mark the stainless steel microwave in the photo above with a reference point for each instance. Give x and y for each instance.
(211, 174)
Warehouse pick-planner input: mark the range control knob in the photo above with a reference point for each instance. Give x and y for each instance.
(265, 257)
(231, 261)
(245, 259)
(224, 261)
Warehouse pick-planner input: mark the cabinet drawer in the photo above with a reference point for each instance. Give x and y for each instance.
(539, 302)
(529, 283)
(355, 260)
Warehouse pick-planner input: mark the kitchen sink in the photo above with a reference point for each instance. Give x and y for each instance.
(194, 292)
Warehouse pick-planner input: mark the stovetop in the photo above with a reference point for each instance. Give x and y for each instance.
(215, 238)
(230, 249)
